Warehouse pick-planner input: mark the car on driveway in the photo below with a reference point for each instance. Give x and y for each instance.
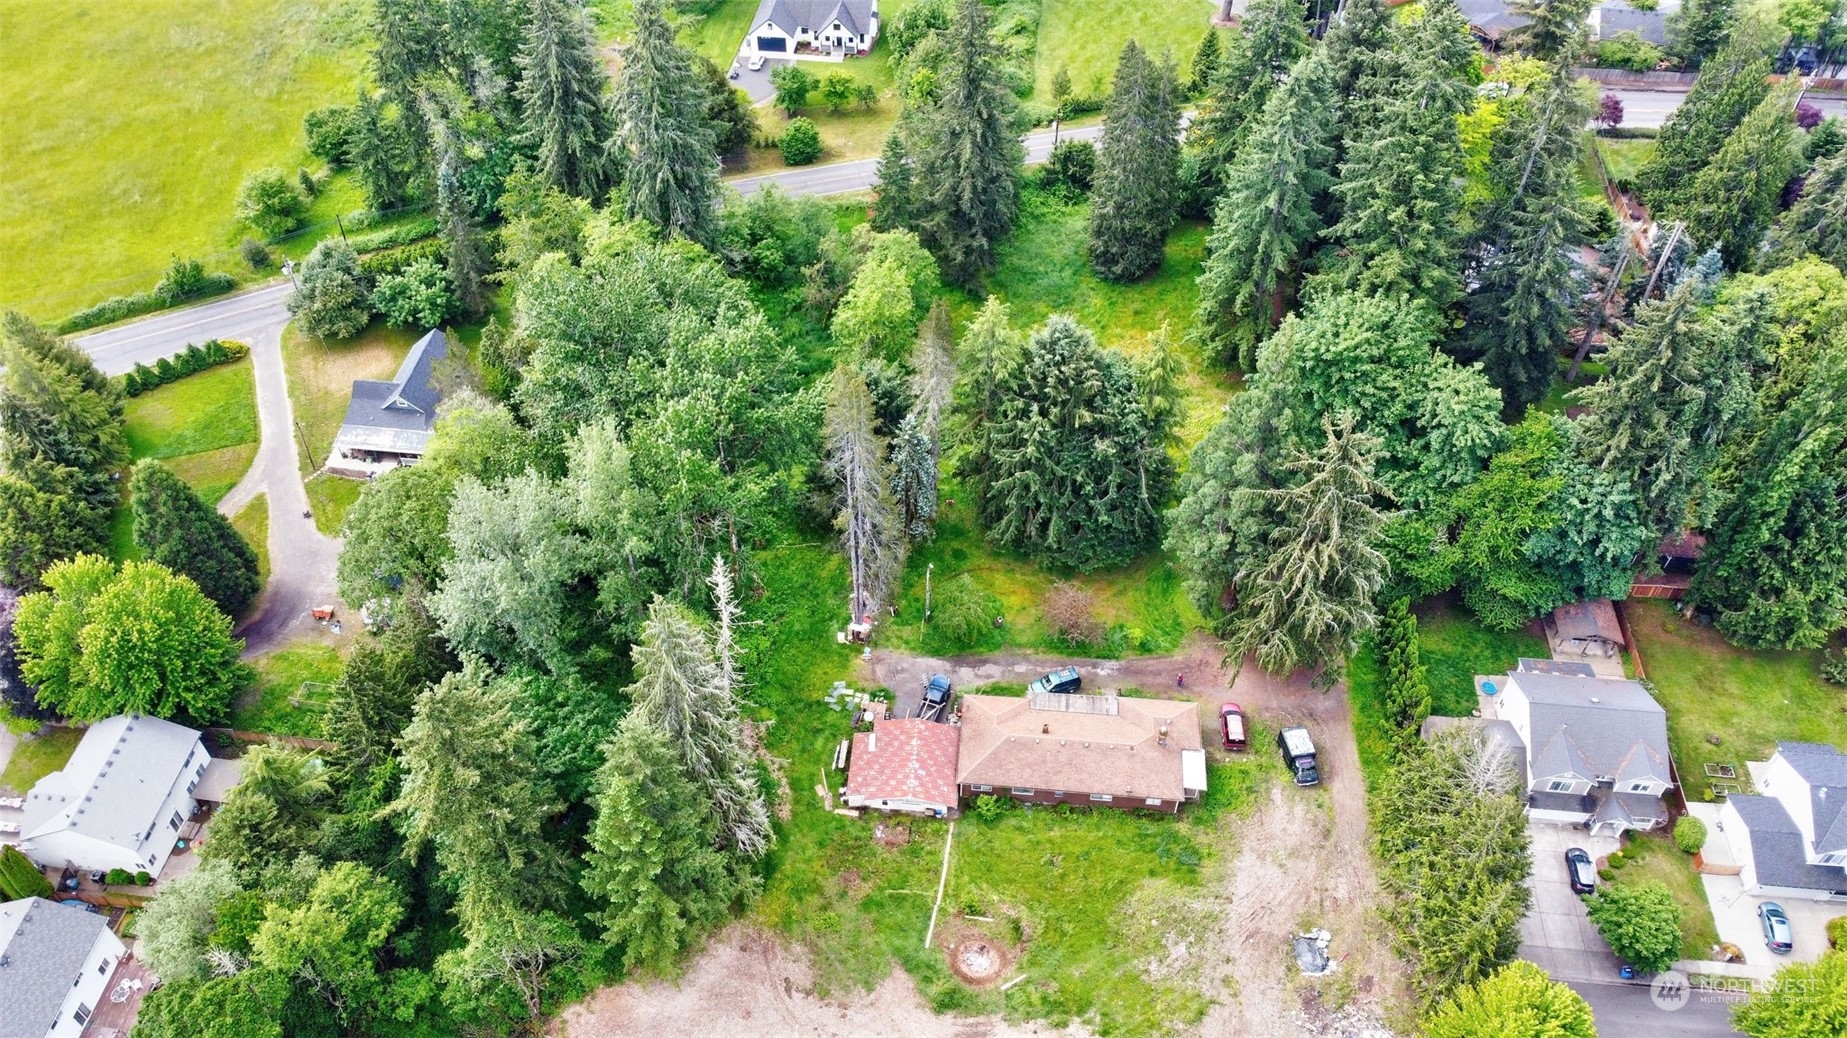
(1065, 681)
(1775, 923)
(1581, 870)
(935, 705)
(756, 62)
(1299, 755)
(1231, 726)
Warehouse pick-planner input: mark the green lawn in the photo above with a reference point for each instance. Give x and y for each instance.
(129, 126)
(1086, 36)
(1653, 856)
(253, 525)
(1625, 158)
(1749, 699)
(203, 427)
(330, 497)
(277, 703)
(37, 756)
(321, 378)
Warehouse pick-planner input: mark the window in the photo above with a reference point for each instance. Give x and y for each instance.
(1559, 786)
(1101, 798)
(174, 822)
(982, 789)
(82, 1015)
(190, 786)
(103, 967)
(1058, 793)
(1016, 791)
(1640, 787)
(1153, 801)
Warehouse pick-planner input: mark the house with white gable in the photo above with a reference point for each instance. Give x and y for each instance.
(1790, 840)
(1595, 749)
(55, 962)
(120, 801)
(827, 28)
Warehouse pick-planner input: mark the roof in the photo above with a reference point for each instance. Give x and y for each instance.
(114, 784)
(43, 947)
(907, 758)
(1683, 545)
(1491, 18)
(1776, 847)
(854, 15)
(1566, 667)
(396, 416)
(1610, 19)
(220, 776)
(1496, 733)
(1080, 744)
(1591, 619)
(1824, 768)
(1601, 720)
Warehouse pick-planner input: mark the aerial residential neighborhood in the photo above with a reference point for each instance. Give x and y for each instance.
(942, 518)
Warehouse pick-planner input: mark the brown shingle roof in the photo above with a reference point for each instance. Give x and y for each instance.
(904, 758)
(1587, 620)
(1009, 742)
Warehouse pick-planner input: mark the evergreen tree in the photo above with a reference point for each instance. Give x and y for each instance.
(992, 348)
(43, 518)
(379, 686)
(468, 260)
(1358, 52)
(895, 202)
(1402, 674)
(682, 692)
(913, 476)
(1070, 466)
(1518, 1001)
(1309, 600)
(1207, 60)
(1276, 33)
(331, 300)
(1158, 373)
(1729, 87)
(179, 531)
(1274, 37)
(1137, 165)
(1266, 217)
(561, 97)
(871, 529)
(663, 142)
(1699, 29)
(58, 409)
(1817, 224)
(372, 149)
(967, 158)
(1734, 199)
(1551, 27)
(933, 369)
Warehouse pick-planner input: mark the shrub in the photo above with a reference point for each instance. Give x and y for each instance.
(121, 308)
(1607, 875)
(1627, 50)
(256, 256)
(307, 182)
(1641, 923)
(329, 129)
(193, 359)
(1689, 834)
(962, 614)
(1837, 932)
(142, 878)
(393, 261)
(988, 807)
(395, 235)
(183, 280)
(1071, 169)
(770, 237)
(19, 878)
(1071, 613)
(419, 296)
(1834, 666)
(270, 201)
(800, 143)
(119, 877)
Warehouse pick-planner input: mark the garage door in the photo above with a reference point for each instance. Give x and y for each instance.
(775, 43)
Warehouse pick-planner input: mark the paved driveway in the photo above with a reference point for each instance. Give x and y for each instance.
(1557, 933)
(1735, 913)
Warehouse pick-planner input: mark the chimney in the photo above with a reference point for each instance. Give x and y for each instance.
(1045, 729)
(1163, 735)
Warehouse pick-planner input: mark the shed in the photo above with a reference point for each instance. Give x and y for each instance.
(1587, 628)
(219, 779)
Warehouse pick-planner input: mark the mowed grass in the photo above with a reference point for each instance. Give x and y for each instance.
(331, 497)
(129, 125)
(321, 378)
(202, 427)
(277, 703)
(1086, 37)
(252, 524)
(37, 756)
(1750, 699)
(1625, 158)
(1653, 857)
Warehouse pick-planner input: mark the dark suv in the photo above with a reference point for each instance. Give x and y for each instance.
(1064, 681)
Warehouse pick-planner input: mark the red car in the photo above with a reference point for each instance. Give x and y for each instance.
(1231, 725)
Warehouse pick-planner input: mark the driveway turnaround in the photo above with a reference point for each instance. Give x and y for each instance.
(1557, 933)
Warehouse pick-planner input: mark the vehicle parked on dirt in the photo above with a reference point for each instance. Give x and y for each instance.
(935, 705)
(1231, 726)
(1581, 870)
(1065, 681)
(1299, 755)
(1775, 922)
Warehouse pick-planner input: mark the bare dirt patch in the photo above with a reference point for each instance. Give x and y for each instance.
(748, 983)
(891, 835)
(977, 960)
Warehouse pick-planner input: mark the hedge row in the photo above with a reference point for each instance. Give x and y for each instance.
(19, 878)
(394, 236)
(121, 308)
(196, 358)
(393, 261)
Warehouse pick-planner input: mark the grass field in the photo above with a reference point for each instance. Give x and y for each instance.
(203, 427)
(37, 756)
(1653, 856)
(276, 702)
(1086, 36)
(129, 126)
(1749, 699)
(252, 525)
(330, 497)
(321, 378)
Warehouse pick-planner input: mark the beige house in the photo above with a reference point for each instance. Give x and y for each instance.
(1106, 751)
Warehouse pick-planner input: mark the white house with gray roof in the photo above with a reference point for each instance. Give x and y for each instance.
(1595, 749)
(389, 423)
(834, 28)
(120, 800)
(1790, 840)
(55, 962)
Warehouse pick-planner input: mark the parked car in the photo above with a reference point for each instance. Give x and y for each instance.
(1231, 726)
(1775, 925)
(1581, 870)
(1299, 755)
(935, 705)
(1065, 681)
(756, 62)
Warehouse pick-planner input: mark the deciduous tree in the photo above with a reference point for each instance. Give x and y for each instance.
(1641, 923)
(1805, 1000)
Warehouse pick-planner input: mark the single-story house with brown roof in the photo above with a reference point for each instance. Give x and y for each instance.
(1055, 748)
(904, 764)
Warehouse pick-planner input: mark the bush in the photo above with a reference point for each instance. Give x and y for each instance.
(329, 129)
(770, 237)
(1837, 932)
(1641, 923)
(190, 361)
(332, 301)
(1071, 613)
(119, 877)
(1617, 860)
(1834, 666)
(962, 614)
(800, 143)
(1630, 133)
(19, 878)
(256, 256)
(419, 296)
(183, 276)
(395, 235)
(270, 201)
(309, 186)
(1627, 50)
(393, 261)
(143, 878)
(988, 807)
(1070, 170)
(1689, 834)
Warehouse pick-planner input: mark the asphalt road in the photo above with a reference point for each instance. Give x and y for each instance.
(1629, 1010)
(1644, 109)
(840, 177)
(145, 341)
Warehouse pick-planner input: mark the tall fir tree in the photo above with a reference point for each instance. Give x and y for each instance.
(372, 151)
(893, 206)
(561, 93)
(1817, 224)
(468, 258)
(1208, 58)
(1158, 375)
(1132, 203)
(1699, 29)
(663, 143)
(1551, 26)
(179, 531)
(1405, 681)
(991, 348)
(1732, 202)
(967, 171)
(1357, 46)
(1266, 218)
(1729, 87)
(913, 476)
(1272, 39)
(871, 529)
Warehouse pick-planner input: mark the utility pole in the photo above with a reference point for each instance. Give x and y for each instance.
(312, 467)
(929, 568)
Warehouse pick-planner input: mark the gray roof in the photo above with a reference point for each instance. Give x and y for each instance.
(396, 416)
(1611, 19)
(1776, 847)
(1497, 733)
(1824, 768)
(1583, 803)
(854, 15)
(1609, 726)
(114, 783)
(1528, 665)
(1491, 18)
(43, 947)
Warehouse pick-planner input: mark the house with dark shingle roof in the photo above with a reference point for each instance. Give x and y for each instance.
(389, 423)
(1596, 750)
(904, 764)
(1791, 839)
(55, 962)
(823, 27)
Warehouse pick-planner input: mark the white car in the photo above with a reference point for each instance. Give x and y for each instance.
(756, 62)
